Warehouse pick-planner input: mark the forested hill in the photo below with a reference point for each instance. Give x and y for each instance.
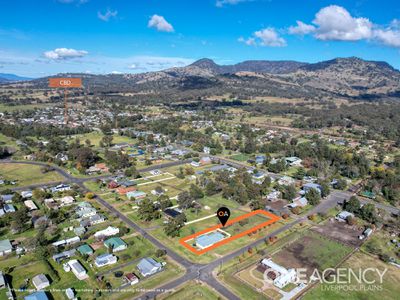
(351, 78)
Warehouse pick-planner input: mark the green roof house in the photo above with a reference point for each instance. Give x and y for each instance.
(85, 249)
(116, 244)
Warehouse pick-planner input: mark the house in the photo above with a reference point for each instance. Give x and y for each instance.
(286, 180)
(195, 164)
(30, 205)
(38, 221)
(79, 230)
(308, 186)
(278, 207)
(63, 255)
(116, 244)
(102, 167)
(92, 220)
(7, 198)
(172, 213)
(148, 266)
(136, 195)
(26, 194)
(260, 159)
(37, 296)
(60, 188)
(293, 161)
(62, 156)
(112, 185)
(205, 160)
(298, 202)
(206, 150)
(274, 195)
(85, 249)
(124, 190)
(109, 231)
(66, 201)
(218, 168)
(281, 276)
(40, 282)
(9, 208)
(105, 259)
(5, 247)
(50, 203)
(343, 215)
(78, 270)
(85, 210)
(131, 278)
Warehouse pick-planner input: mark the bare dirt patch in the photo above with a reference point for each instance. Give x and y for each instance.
(341, 232)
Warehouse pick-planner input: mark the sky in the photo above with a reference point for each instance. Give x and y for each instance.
(40, 38)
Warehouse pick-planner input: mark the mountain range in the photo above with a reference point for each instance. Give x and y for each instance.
(351, 77)
(5, 77)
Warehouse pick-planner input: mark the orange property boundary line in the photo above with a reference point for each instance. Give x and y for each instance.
(272, 219)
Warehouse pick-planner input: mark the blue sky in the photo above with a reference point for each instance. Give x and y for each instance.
(39, 38)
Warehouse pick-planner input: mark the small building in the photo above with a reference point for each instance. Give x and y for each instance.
(5, 247)
(148, 266)
(205, 160)
(109, 231)
(60, 188)
(274, 195)
(343, 215)
(66, 201)
(136, 195)
(85, 249)
(298, 202)
(78, 270)
(124, 190)
(105, 259)
(116, 244)
(172, 213)
(310, 185)
(7, 198)
(26, 194)
(40, 282)
(30, 205)
(37, 296)
(293, 161)
(131, 278)
(63, 255)
(8, 208)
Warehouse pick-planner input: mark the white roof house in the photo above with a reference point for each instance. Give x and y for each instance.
(283, 276)
(343, 215)
(5, 247)
(109, 231)
(65, 201)
(30, 205)
(78, 269)
(40, 282)
(148, 266)
(105, 259)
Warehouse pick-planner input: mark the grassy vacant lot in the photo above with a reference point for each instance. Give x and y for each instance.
(13, 108)
(390, 286)
(240, 157)
(26, 174)
(193, 290)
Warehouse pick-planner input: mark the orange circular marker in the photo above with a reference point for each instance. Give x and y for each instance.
(223, 215)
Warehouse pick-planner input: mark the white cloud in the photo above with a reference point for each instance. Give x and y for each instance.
(221, 3)
(387, 37)
(335, 23)
(301, 28)
(159, 23)
(267, 37)
(64, 54)
(107, 15)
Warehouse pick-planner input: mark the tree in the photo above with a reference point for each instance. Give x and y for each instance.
(313, 196)
(147, 210)
(325, 189)
(185, 200)
(289, 192)
(211, 188)
(173, 227)
(196, 192)
(352, 205)
(367, 213)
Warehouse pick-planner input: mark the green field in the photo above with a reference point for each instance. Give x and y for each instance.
(26, 174)
(389, 288)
